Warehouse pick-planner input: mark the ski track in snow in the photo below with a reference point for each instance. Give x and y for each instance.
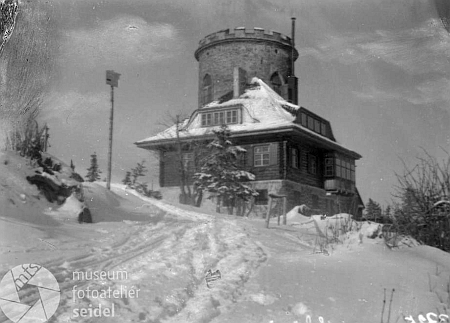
(169, 258)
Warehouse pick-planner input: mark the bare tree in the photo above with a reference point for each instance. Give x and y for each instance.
(176, 130)
(27, 66)
(423, 191)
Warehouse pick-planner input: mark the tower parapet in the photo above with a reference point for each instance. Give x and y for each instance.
(244, 34)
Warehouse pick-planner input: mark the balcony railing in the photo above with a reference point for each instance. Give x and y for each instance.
(339, 185)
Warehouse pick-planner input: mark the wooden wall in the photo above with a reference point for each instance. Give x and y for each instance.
(280, 166)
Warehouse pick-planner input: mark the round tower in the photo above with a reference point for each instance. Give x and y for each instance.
(267, 55)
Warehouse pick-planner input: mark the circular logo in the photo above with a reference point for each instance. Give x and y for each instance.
(29, 293)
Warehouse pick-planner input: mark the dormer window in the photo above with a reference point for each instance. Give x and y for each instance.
(218, 118)
(314, 124)
(207, 89)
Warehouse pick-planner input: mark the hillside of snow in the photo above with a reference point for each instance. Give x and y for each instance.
(310, 270)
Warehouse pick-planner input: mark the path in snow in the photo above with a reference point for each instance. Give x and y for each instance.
(166, 260)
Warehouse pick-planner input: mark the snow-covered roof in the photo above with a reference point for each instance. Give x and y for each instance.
(262, 110)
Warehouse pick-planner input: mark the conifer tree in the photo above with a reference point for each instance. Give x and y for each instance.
(219, 172)
(138, 171)
(93, 171)
(127, 179)
(373, 211)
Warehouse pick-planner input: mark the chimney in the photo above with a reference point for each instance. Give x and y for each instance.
(292, 79)
(293, 46)
(239, 81)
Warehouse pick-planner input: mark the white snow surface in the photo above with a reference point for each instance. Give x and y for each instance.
(308, 272)
(69, 210)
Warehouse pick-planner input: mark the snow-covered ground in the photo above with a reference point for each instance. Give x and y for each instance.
(157, 254)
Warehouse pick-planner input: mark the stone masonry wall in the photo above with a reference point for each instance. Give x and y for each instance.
(259, 56)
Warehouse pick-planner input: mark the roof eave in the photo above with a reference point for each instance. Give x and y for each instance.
(243, 133)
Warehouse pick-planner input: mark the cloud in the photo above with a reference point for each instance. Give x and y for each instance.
(73, 105)
(343, 48)
(434, 91)
(125, 39)
(416, 50)
(425, 93)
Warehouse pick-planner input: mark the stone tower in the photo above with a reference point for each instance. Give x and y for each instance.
(228, 59)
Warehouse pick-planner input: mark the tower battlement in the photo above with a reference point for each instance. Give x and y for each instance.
(243, 34)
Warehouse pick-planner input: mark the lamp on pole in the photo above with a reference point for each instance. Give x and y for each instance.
(112, 78)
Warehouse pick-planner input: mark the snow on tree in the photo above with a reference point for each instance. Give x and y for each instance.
(93, 171)
(220, 174)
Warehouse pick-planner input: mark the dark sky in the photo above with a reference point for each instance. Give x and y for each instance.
(379, 70)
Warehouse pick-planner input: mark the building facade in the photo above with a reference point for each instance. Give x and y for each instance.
(246, 81)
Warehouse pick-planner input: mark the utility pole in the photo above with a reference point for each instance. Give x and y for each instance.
(112, 78)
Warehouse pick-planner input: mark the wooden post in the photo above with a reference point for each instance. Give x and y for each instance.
(279, 216)
(111, 121)
(284, 211)
(112, 78)
(276, 196)
(268, 212)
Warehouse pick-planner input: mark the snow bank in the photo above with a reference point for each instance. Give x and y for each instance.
(69, 210)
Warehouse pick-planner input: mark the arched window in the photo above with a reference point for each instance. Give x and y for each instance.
(276, 82)
(207, 89)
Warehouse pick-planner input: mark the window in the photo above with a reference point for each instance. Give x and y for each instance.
(294, 157)
(219, 118)
(323, 129)
(188, 161)
(317, 126)
(313, 123)
(262, 198)
(310, 122)
(329, 166)
(312, 164)
(345, 168)
(231, 116)
(338, 167)
(261, 156)
(207, 91)
(275, 80)
(206, 119)
(304, 124)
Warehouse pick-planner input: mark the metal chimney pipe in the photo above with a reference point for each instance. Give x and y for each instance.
(293, 46)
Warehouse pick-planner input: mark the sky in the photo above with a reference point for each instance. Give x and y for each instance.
(378, 70)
